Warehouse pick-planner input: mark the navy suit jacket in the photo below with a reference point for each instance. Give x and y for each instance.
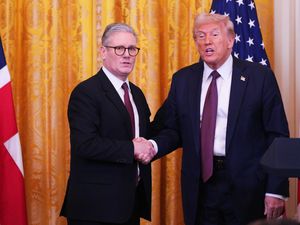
(102, 182)
(255, 117)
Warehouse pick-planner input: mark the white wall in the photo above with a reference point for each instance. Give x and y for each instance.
(287, 70)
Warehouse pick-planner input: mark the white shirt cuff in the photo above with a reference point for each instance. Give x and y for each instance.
(154, 145)
(277, 196)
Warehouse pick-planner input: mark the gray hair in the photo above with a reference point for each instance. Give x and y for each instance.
(205, 18)
(116, 27)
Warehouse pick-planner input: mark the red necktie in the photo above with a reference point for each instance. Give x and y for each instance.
(208, 126)
(129, 107)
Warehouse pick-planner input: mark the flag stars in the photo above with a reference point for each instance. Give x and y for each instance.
(251, 5)
(263, 62)
(212, 11)
(250, 41)
(226, 14)
(250, 58)
(240, 2)
(238, 19)
(251, 23)
(237, 38)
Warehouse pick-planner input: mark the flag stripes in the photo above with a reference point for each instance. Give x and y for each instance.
(12, 190)
(8, 123)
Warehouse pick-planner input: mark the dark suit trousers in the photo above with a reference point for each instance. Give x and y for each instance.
(134, 219)
(215, 204)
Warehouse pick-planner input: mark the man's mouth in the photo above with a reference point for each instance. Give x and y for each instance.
(209, 50)
(126, 63)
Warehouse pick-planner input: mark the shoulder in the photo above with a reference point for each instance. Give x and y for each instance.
(90, 85)
(257, 74)
(251, 67)
(188, 72)
(190, 69)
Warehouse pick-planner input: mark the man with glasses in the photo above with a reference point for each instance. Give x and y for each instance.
(109, 183)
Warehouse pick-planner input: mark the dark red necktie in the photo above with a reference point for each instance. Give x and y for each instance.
(208, 126)
(128, 106)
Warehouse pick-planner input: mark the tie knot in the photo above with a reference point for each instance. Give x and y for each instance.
(215, 74)
(125, 86)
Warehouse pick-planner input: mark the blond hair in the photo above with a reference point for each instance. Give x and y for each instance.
(205, 18)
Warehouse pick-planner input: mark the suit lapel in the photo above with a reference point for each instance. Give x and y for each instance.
(194, 102)
(138, 101)
(114, 97)
(238, 87)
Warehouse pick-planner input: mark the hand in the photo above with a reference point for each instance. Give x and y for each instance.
(274, 207)
(143, 150)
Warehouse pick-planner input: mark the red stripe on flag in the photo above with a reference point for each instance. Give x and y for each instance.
(12, 201)
(8, 126)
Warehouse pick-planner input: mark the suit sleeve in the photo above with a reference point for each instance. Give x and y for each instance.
(85, 130)
(165, 125)
(276, 125)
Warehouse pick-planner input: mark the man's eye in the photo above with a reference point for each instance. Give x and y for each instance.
(200, 36)
(119, 47)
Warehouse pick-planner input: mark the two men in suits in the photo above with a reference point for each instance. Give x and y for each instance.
(221, 177)
(106, 112)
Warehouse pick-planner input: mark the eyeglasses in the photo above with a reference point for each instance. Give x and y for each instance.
(120, 50)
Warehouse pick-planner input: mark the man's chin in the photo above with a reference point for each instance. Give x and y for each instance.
(210, 60)
(126, 71)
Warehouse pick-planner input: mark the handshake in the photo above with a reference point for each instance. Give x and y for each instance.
(144, 150)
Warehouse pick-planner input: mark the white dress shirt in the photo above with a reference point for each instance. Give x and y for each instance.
(223, 86)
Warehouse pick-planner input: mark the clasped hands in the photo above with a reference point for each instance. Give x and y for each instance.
(143, 150)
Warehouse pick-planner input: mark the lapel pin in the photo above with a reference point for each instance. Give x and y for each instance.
(243, 78)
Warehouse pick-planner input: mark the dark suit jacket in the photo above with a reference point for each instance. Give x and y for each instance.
(255, 117)
(102, 182)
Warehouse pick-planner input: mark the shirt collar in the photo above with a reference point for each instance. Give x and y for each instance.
(225, 70)
(116, 82)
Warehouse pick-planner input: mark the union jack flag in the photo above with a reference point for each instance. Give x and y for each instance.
(248, 43)
(12, 189)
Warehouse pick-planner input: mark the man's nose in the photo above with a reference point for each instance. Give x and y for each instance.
(207, 39)
(126, 53)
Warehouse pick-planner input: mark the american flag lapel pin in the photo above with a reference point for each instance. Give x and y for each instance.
(243, 78)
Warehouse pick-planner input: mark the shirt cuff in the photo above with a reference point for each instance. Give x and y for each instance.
(277, 196)
(154, 145)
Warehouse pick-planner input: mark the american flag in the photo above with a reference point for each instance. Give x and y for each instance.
(12, 191)
(248, 43)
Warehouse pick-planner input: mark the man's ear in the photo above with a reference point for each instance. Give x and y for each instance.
(230, 42)
(103, 52)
